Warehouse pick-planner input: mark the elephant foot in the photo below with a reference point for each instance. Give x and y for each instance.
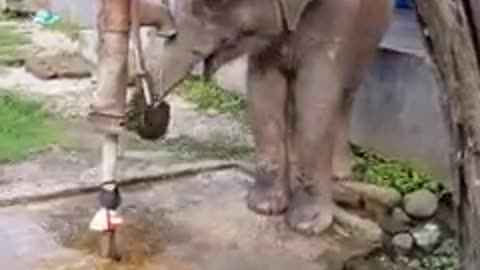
(310, 213)
(267, 199)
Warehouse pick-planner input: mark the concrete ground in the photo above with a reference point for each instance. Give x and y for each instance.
(192, 222)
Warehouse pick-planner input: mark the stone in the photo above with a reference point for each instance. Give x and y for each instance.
(400, 216)
(375, 210)
(420, 204)
(62, 65)
(401, 261)
(427, 236)
(370, 231)
(403, 242)
(346, 197)
(392, 227)
(388, 197)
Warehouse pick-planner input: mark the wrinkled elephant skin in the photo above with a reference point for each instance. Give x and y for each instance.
(306, 59)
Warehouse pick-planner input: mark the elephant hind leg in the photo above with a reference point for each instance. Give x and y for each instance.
(267, 93)
(360, 53)
(342, 154)
(360, 60)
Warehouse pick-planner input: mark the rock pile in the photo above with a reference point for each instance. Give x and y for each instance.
(415, 236)
(413, 230)
(411, 222)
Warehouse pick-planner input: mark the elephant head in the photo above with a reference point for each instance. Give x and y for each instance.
(217, 31)
(154, 13)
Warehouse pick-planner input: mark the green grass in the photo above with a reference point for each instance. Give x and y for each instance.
(12, 45)
(207, 95)
(402, 175)
(25, 128)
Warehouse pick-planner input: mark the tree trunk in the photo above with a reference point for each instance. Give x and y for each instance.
(451, 30)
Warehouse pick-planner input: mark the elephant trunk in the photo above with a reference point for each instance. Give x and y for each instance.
(182, 53)
(175, 67)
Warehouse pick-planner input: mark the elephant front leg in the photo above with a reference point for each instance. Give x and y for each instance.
(317, 96)
(267, 100)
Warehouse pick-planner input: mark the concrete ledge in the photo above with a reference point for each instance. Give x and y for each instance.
(133, 176)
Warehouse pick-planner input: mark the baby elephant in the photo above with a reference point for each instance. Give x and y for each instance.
(306, 60)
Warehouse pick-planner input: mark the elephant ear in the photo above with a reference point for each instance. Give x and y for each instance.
(292, 11)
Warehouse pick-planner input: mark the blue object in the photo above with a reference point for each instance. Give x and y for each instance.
(45, 17)
(406, 4)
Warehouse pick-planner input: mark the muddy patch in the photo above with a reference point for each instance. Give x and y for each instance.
(145, 233)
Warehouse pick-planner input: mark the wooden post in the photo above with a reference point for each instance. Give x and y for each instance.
(451, 29)
(113, 31)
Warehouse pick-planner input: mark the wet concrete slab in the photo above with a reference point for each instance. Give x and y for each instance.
(195, 222)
